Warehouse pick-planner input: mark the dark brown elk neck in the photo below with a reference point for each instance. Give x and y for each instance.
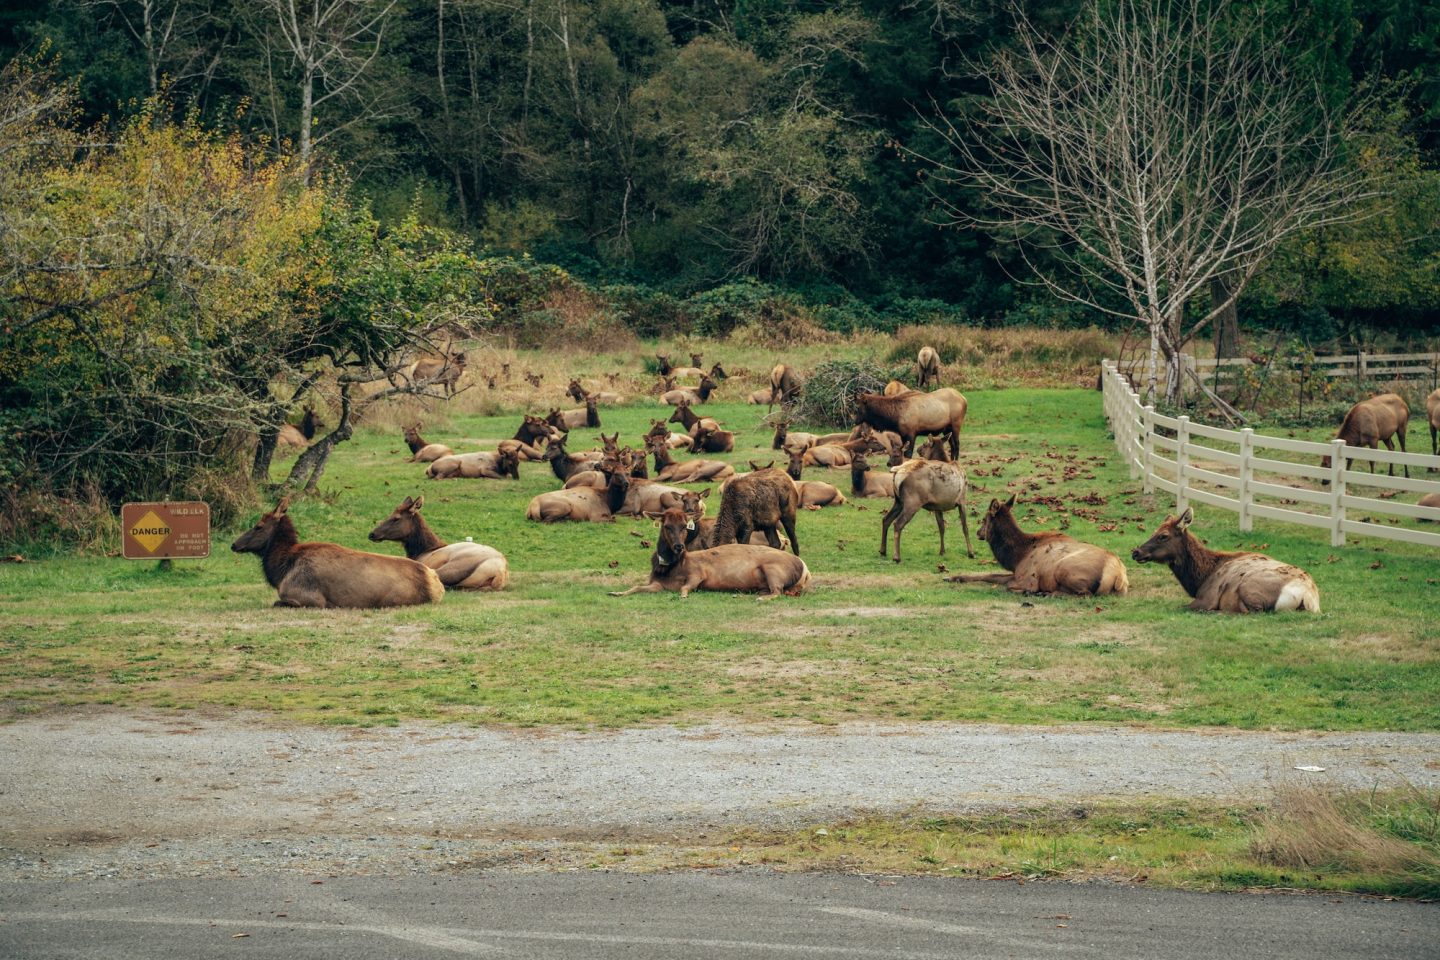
(858, 469)
(418, 443)
(781, 432)
(687, 416)
(565, 466)
(421, 539)
(1196, 563)
(724, 525)
(279, 554)
(662, 457)
(704, 391)
(1007, 541)
(617, 490)
(527, 434)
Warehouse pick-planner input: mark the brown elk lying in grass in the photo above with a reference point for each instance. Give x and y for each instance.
(1045, 562)
(929, 485)
(717, 372)
(675, 441)
(764, 500)
(528, 440)
(289, 435)
(580, 394)
(733, 567)
(587, 416)
(690, 420)
(329, 575)
(460, 566)
(837, 455)
(1227, 581)
(785, 440)
(443, 371)
(911, 414)
(685, 395)
(1372, 422)
(928, 365)
(581, 504)
(481, 465)
(867, 483)
(534, 379)
(763, 395)
(422, 451)
(669, 470)
(784, 384)
(814, 494)
(712, 439)
(564, 464)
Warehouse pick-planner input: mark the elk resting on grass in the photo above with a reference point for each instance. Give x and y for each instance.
(785, 440)
(422, 451)
(460, 566)
(1227, 581)
(928, 364)
(929, 485)
(481, 465)
(329, 575)
(583, 504)
(729, 567)
(763, 395)
(912, 414)
(674, 441)
(764, 500)
(1372, 422)
(588, 416)
(669, 470)
(1045, 562)
(685, 395)
(712, 439)
(866, 483)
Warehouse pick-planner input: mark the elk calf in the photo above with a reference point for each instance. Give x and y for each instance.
(1227, 581)
(929, 485)
(460, 566)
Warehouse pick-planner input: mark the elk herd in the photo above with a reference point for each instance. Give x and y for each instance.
(751, 544)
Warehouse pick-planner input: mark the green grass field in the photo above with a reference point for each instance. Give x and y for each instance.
(871, 640)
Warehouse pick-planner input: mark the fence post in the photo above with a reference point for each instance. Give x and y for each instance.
(1182, 460)
(1147, 461)
(1337, 492)
(1247, 473)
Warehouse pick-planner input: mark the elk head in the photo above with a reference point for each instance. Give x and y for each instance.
(257, 538)
(996, 508)
(400, 524)
(1167, 543)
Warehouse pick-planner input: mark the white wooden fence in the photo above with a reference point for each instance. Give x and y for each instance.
(1360, 367)
(1238, 470)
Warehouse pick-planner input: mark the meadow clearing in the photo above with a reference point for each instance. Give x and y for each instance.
(870, 640)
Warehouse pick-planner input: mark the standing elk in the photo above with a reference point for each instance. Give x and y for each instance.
(764, 500)
(912, 414)
(329, 575)
(1372, 422)
(479, 465)
(929, 485)
(460, 566)
(1432, 414)
(700, 529)
(928, 363)
(732, 567)
(1227, 581)
(1045, 562)
(421, 450)
(443, 371)
(784, 385)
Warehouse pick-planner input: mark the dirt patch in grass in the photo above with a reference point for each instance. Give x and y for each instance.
(764, 668)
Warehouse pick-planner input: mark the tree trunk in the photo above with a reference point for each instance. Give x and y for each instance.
(307, 119)
(264, 454)
(312, 463)
(1227, 321)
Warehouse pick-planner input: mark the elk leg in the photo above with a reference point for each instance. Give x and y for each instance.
(940, 523)
(954, 444)
(900, 528)
(965, 525)
(651, 587)
(1400, 434)
(1000, 578)
(1389, 445)
(774, 581)
(772, 537)
(890, 516)
(789, 524)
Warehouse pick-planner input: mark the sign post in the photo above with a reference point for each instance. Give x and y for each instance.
(165, 531)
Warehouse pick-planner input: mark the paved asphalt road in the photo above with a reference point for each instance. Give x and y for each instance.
(693, 915)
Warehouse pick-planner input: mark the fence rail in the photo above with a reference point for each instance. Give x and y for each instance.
(1219, 468)
(1382, 367)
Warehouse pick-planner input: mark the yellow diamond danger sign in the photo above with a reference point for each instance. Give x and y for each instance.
(164, 531)
(150, 531)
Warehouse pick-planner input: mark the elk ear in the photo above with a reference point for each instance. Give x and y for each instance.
(1011, 502)
(406, 504)
(1186, 518)
(417, 503)
(703, 493)
(282, 506)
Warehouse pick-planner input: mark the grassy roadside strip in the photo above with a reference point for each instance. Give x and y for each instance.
(1384, 843)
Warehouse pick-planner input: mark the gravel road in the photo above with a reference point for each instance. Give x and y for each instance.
(99, 793)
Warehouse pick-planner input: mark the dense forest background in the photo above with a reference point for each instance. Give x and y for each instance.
(673, 146)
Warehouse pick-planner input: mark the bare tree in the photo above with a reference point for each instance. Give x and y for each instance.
(1157, 147)
(333, 44)
(166, 30)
